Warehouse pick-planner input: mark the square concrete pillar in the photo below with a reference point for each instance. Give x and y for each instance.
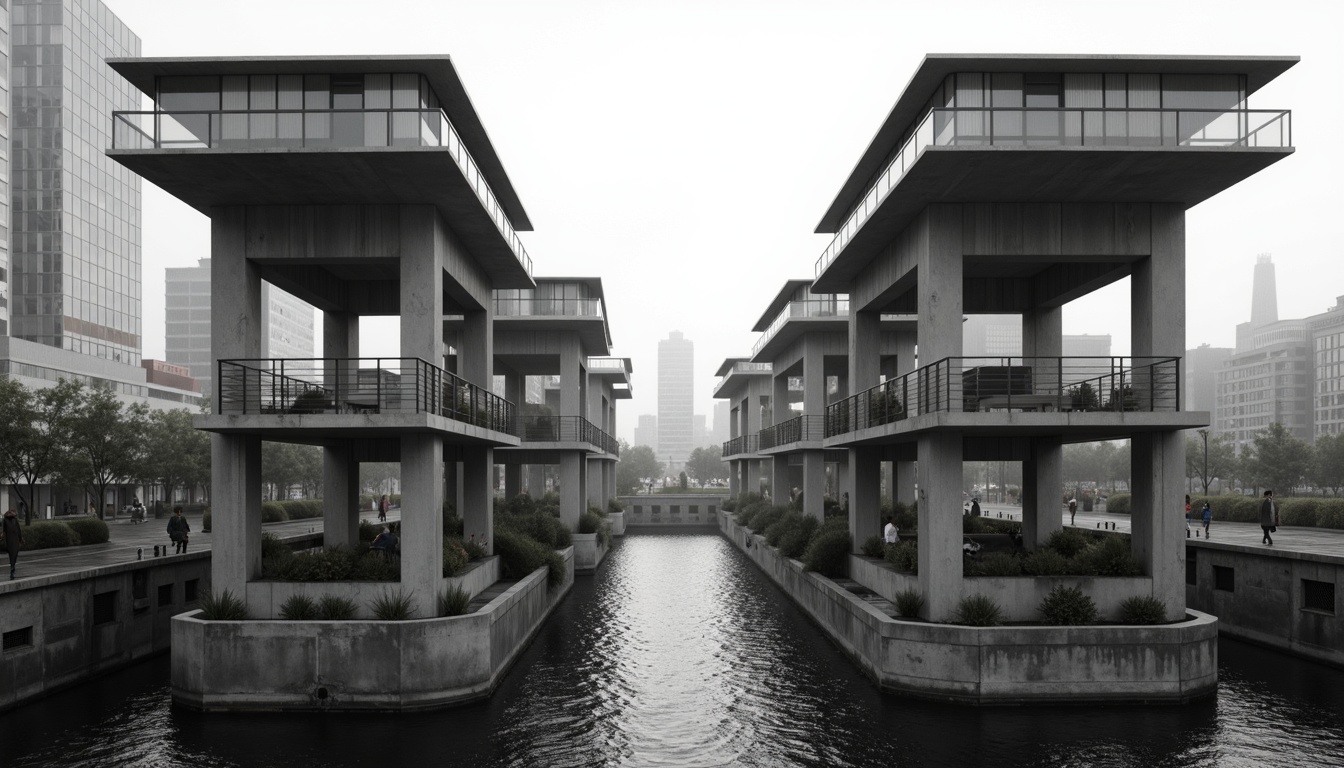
(513, 480)
(340, 496)
(421, 285)
(1157, 517)
(903, 472)
(865, 501)
(571, 377)
(572, 496)
(754, 476)
(780, 490)
(422, 520)
(814, 484)
(939, 286)
(1043, 344)
(235, 476)
(478, 497)
(594, 488)
(814, 377)
(536, 480)
(940, 536)
(734, 478)
(340, 345)
(452, 484)
(1042, 491)
(235, 307)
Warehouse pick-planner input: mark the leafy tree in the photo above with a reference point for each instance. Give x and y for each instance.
(374, 475)
(1118, 463)
(635, 466)
(173, 450)
(107, 440)
(1222, 459)
(1327, 466)
(35, 436)
(285, 465)
(1278, 460)
(706, 464)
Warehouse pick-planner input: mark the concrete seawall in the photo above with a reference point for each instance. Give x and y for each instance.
(672, 511)
(1170, 663)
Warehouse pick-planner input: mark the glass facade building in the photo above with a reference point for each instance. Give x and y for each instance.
(676, 400)
(73, 272)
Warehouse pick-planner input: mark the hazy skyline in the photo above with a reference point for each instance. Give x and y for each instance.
(683, 152)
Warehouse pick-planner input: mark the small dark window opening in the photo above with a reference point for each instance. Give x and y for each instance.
(657, 509)
(695, 510)
(105, 608)
(140, 585)
(1223, 579)
(192, 586)
(165, 595)
(1318, 595)
(18, 638)
(1191, 567)
(676, 509)
(639, 510)
(712, 510)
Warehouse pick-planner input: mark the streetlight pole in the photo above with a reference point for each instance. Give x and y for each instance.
(1204, 433)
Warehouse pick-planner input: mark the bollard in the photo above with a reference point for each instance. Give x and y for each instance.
(139, 553)
(1098, 525)
(156, 550)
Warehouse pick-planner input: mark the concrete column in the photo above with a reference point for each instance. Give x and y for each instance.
(1042, 491)
(1157, 289)
(474, 357)
(814, 484)
(536, 480)
(515, 392)
(753, 480)
(478, 508)
(1157, 520)
(421, 273)
(1043, 340)
(940, 577)
(571, 372)
(779, 399)
(865, 504)
(235, 288)
(422, 520)
(452, 484)
(865, 358)
(594, 487)
(779, 479)
(939, 286)
(903, 472)
(340, 496)
(572, 496)
(734, 478)
(235, 475)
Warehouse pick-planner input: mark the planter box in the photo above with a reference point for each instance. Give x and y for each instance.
(264, 598)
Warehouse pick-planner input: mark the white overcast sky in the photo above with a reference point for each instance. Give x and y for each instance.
(684, 151)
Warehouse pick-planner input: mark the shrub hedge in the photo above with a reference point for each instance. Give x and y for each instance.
(520, 554)
(90, 530)
(49, 534)
(828, 553)
(1294, 510)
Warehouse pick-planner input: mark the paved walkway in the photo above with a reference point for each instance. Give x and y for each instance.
(125, 539)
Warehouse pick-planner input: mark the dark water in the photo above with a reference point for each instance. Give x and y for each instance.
(679, 653)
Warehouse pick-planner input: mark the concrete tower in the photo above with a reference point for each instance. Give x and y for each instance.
(1264, 292)
(676, 400)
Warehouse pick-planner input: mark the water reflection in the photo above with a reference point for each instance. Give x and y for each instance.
(679, 653)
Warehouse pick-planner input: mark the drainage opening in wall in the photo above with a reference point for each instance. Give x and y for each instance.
(322, 694)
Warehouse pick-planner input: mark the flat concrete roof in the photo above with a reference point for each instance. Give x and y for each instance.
(1258, 70)
(778, 303)
(438, 69)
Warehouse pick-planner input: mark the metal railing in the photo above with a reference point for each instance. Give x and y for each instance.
(1068, 127)
(548, 307)
(545, 428)
(794, 430)
(744, 367)
(300, 129)
(809, 308)
(606, 364)
(967, 384)
(740, 445)
(357, 385)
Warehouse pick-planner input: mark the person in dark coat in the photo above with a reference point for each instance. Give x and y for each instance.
(178, 528)
(1268, 518)
(13, 535)
(975, 507)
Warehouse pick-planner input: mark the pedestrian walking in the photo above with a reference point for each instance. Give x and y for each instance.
(383, 505)
(975, 507)
(1073, 509)
(891, 534)
(1187, 515)
(178, 528)
(12, 533)
(1208, 518)
(1269, 518)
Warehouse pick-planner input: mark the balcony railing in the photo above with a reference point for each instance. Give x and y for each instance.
(961, 384)
(545, 428)
(740, 445)
(741, 367)
(1045, 127)
(606, 364)
(548, 307)
(274, 129)
(795, 430)
(358, 385)
(810, 308)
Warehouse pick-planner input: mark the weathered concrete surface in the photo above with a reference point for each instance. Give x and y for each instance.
(692, 510)
(589, 551)
(1266, 604)
(265, 598)
(69, 643)
(1000, 665)
(358, 665)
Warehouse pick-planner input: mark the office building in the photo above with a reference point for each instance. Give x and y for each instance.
(1199, 376)
(720, 427)
(1327, 342)
(676, 400)
(646, 432)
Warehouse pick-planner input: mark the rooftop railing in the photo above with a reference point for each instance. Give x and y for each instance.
(606, 364)
(795, 430)
(740, 445)
(358, 385)
(809, 308)
(744, 367)
(1068, 127)
(548, 307)
(965, 384)
(545, 428)
(299, 129)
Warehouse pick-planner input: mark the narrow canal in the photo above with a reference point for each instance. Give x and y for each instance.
(680, 653)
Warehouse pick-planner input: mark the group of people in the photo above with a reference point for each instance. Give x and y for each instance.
(1206, 513)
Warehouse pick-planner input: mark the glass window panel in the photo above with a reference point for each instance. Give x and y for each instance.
(263, 91)
(405, 92)
(1115, 92)
(347, 129)
(235, 93)
(347, 92)
(262, 127)
(1214, 92)
(188, 93)
(1007, 89)
(375, 128)
(317, 129)
(378, 92)
(317, 92)
(290, 90)
(405, 129)
(1084, 91)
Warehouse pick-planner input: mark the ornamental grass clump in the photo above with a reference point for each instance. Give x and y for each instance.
(978, 611)
(997, 564)
(1046, 562)
(455, 557)
(223, 606)
(1068, 606)
(336, 608)
(393, 606)
(299, 608)
(454, 602)
(793, 542)
(520, 555)
(1142, 610)
(909, 603)
(904, 556)
(874, 546)
(1111, 557)
(1068, 541)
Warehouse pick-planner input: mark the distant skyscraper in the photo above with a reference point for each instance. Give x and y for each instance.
(1264, 292)
(1327, 336)
(676, 400)
(646, 433)
(1200, 376)
(288, 331)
